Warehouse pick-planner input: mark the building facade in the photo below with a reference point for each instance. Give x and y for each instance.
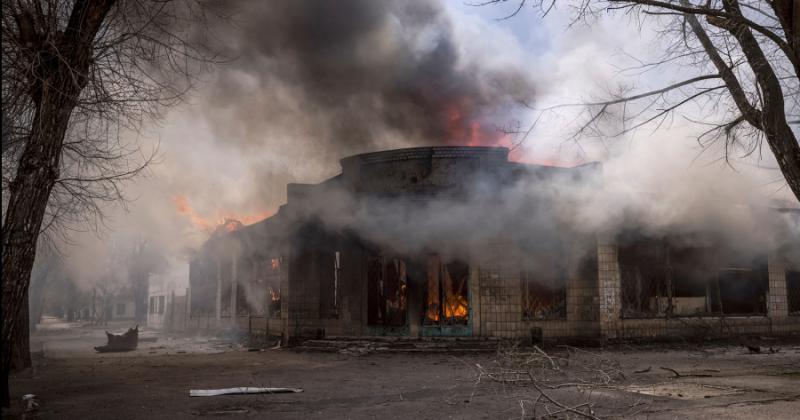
(461, 242)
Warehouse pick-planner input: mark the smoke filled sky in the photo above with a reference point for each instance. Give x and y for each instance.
(311, 82)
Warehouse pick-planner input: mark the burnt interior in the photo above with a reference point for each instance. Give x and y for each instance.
(273, 286)
(387, 284)
(544, 293)
(676, 277)
(793, 291)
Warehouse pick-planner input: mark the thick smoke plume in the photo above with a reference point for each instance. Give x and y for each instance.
(310, 82)
(358, 75)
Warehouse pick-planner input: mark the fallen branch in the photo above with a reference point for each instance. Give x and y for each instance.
(677, 375)
(564, 407)
(541, 352)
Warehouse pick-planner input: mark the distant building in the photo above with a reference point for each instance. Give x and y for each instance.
(166, 298)
(121, 306)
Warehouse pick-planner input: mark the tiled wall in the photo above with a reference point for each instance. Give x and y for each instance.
(500, 297)
(608, 288)
(709, 327)
(302, 303)
(777, 306)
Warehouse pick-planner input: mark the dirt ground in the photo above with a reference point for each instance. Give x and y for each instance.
(71, 381)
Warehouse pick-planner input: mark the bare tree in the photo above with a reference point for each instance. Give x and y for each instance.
(77, 75)
(745, 55)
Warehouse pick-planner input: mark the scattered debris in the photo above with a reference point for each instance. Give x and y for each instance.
(121, 342)
(30, 402)
(571, 367)
(688, 375)
(241, 390)
(684, 390)
(753, 349)
(677, 375)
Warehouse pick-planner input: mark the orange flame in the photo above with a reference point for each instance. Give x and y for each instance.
(456, 307)
(225, 221)
(463, 127)
(274, 295)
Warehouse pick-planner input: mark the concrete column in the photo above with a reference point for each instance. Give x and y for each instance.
(234, 293)
(475, 297)
(188, 308)
(777, 305)
(218, 302)
(608, 285)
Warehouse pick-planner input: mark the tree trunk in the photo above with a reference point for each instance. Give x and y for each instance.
(29, 192)
(21, 353)
(786, 149)
(780, 137)
(60, 70)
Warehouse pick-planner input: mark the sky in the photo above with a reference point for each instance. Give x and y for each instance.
(311, 84)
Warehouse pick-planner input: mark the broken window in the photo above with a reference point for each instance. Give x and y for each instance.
(161, 305)
(152, 305)
(793, 291)
(273, 282)
(203, 284)
(643, 279)
(742, 291)
(544, 293)
(447, 300)
(387, 292)
(660, 278)
(329, 284)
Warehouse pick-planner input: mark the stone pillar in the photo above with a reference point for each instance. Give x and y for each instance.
(777, 305)
(608, 285)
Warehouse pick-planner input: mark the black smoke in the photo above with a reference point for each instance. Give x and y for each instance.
(351, 76)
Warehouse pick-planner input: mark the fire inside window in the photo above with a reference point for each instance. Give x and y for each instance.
(447, 292)
(274, 302)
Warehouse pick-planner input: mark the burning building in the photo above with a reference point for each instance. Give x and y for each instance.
(460, 241)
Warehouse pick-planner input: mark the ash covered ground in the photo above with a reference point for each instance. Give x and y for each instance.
(653, 381)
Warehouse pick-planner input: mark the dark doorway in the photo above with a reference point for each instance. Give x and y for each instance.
(387, 290)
